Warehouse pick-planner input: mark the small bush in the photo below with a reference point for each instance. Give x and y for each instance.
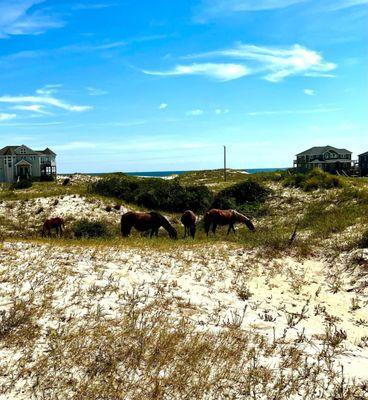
(47, 178)
(313, 180)
(90, 229)
(246, 197)
(364, 240)
(22, 184)
(66, 182)
(156, 194)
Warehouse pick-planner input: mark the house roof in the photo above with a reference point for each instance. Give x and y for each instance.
(364, 154)
(10, 151)
(322, 149)
(23, 162)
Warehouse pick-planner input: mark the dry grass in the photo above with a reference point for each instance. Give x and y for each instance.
(115, 323)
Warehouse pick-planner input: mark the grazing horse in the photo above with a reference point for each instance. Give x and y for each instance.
(53, 223)
(216, 217)
(143, 222)
(189, 219)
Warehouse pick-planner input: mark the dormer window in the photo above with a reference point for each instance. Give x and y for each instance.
(23, 150)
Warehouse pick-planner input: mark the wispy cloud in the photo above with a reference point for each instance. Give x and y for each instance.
(76, 145)
(7, 117)
(220, 111)
(219, 8)
(92, 91)
(163, 106)
(289, 112)
(92, 6)
(195, 112)
(276, 63)
(42, 98)
(36, 108)
(309, 92)
(218, 71)
(19, 17)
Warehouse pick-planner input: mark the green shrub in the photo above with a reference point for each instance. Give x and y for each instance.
(313, 180)
(364, 240)
(246, 197)
(90, 229)
(153, 193)
(47, 178)
(22, 184)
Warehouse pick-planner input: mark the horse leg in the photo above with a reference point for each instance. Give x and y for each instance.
(49, 232)
(61, 231)
(207, 226)
(228, 231)
(214, 226)
(233, 227)
(185, 231)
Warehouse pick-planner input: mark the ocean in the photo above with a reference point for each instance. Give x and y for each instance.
(160, 174)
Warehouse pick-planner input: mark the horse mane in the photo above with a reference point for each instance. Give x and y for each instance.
(243, 219)
(164, 223)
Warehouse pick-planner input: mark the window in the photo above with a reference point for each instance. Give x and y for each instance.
(23, 150)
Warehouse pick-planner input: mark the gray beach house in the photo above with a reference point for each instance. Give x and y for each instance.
(21, 162)
(327, 158)
(363, 164)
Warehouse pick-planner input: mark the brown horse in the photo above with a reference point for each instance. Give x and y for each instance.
(216, 217)
(189, 219)
(143, 222)
(53, 223)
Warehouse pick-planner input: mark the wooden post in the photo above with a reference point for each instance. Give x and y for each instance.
(225, 177)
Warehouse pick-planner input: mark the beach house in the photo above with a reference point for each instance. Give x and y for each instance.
(363, 164)
(21, 162)
(327, 158)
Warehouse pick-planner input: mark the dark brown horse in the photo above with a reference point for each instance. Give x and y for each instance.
(143, 222)
(216, 217)
(189, 219)
(53, 223)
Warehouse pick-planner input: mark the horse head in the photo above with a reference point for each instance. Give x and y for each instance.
(245, 220)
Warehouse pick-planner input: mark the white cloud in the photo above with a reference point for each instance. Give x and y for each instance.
(40, 99)
(218, 71)
(77, 145)
(219, 8)
(195, 112)
(49, 89)
(220, 111)
(92, 6)
(163, 106)
(36, 108)
(288, 112)
(92, 91)
(276, 63)
(7, 117)
(309, 92)
(18, 17)
(231, 6)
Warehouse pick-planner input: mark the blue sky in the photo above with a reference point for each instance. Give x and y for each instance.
(127, 85)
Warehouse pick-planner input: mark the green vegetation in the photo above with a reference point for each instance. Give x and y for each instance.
(246, 196)
(313, 180)
(90, 229)
(22, 184)
(156, 194)
(364, 240)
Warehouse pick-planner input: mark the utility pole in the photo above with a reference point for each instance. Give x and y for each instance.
(225, 177)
